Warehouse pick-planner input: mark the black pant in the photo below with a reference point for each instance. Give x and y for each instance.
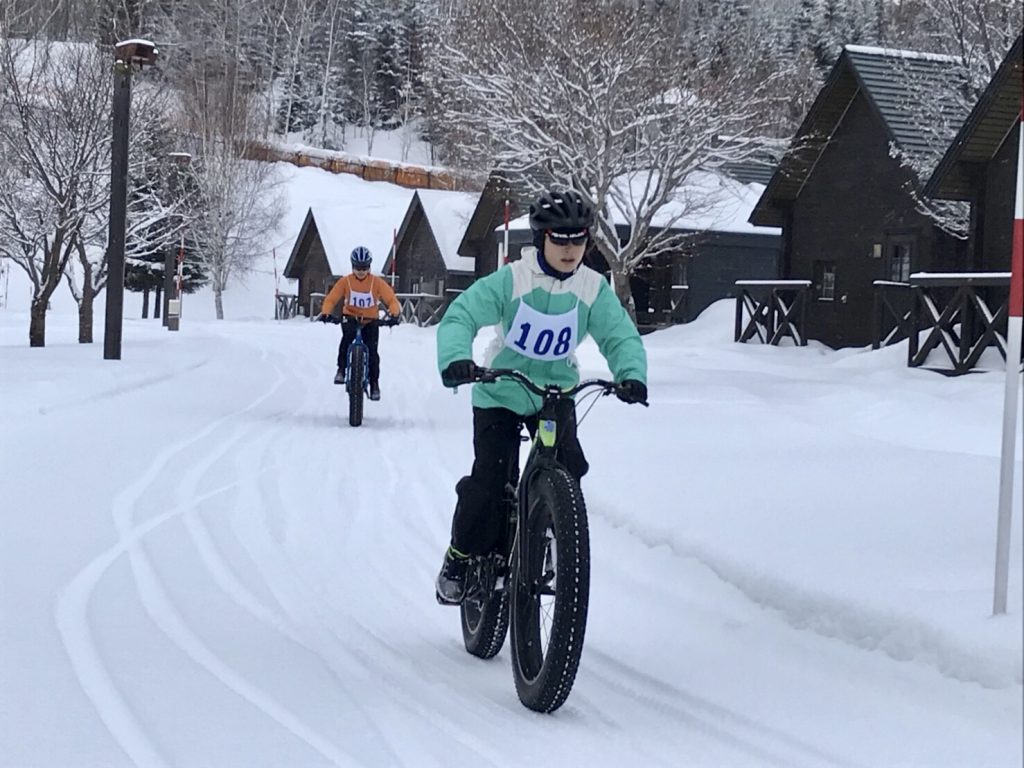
(478, 521)
(371, 335)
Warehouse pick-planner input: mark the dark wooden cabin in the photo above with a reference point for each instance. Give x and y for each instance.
(980, 166)
(310, 262)
(844, 199)
(322, 249)
(478, 241)
(425, 257)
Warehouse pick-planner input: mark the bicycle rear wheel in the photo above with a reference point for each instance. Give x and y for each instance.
(550, 591)
(357, 364)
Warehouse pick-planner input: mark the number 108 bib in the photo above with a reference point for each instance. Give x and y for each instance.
(543, 337)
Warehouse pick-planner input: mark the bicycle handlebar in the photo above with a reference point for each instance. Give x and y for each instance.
(490, 375)
(387, 321)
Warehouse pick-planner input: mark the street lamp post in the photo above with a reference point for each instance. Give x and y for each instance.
(171, 321)
(127, 54)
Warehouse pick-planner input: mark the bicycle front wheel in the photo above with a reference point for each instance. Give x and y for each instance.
(357, 362)
(550, 591)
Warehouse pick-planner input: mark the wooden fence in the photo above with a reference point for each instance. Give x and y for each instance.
(771, 310)
(411, 176)
(423, 308)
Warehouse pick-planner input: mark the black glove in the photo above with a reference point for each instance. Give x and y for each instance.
(632, 391)
(458, 372)
(391, 322)
(323, 317)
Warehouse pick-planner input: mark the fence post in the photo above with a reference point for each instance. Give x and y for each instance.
(739, 314)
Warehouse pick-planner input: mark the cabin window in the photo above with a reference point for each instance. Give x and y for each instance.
(900, 254)
(825, 280)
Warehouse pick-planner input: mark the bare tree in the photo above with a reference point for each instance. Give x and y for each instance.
(591, 98)
(329, 52)
(977, 32)
(54, 143)
(970, 39)
(156, 215)
(238, 203)
(239, 210)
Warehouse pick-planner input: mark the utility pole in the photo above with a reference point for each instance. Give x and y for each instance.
(126, 55)
(172, 281)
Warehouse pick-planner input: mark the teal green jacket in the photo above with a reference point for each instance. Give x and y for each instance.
(539, 320)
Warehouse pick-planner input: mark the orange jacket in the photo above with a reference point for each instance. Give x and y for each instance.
(361, 297)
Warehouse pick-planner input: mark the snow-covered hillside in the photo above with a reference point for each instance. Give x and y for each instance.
(367, 214)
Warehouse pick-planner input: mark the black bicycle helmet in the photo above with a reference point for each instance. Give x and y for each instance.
(565, 209)
(361, 257)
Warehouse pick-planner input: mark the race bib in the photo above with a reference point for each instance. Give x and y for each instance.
(543, 337)
(361, 300)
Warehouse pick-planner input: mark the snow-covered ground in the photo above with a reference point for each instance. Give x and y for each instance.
(402, 145)
(203, 565)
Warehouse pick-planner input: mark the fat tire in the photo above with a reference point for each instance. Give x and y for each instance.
(485, 617)
(544, 677)
(357, 364)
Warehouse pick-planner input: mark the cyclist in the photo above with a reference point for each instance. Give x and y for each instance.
(544, 305)
(360, 294)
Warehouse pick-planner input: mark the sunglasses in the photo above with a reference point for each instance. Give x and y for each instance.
(568, 237)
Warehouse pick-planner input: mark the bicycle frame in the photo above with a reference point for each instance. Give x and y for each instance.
(544, 453)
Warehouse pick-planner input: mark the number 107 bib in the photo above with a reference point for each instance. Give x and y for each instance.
(543, 337)
(361, 300)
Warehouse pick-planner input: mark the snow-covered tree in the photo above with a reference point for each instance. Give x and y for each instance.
(54, 144)
(221, 110)
(978, 32)
(154, 217)
(239, 210)
(591, 99)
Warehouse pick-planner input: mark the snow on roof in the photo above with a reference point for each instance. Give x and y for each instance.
(137, 41)
(448, 214)
(899, 53)
(706, 202)
(348, 212)
(330, 226)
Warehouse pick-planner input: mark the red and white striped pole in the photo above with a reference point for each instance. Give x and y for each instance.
(1011, 398)
(504, 253)
(277, 287)
(394, 254)
(277, 281)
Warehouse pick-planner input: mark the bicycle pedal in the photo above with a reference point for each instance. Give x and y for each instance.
(442, 601)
